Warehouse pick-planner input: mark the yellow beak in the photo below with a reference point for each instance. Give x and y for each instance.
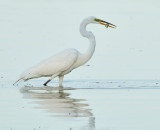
(109, 25)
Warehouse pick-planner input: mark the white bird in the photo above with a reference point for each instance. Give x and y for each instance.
(67, 60)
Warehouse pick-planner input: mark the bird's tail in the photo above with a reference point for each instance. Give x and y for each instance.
(17, 81)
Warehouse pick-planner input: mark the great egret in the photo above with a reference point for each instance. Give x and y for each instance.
(67, 60)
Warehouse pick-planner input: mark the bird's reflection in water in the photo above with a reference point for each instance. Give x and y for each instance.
(57, 101)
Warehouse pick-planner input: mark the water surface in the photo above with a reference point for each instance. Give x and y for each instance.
(93, 106)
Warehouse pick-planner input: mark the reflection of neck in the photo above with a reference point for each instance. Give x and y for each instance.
(86, 56)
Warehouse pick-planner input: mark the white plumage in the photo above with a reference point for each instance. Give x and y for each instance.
(67, 60)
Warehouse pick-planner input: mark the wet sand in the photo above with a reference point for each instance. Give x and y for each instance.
(74, 108)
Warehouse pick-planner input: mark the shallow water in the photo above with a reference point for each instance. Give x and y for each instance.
(94, 106)
(32, 30)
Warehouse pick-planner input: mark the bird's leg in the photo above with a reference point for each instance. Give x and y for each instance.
(52, 77)
(45, 84)
(60, 80)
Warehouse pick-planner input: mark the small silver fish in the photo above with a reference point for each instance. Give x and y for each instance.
(107, 25)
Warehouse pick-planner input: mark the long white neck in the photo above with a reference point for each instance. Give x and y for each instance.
(86, 56)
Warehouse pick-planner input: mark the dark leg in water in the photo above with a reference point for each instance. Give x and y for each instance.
(45, 84)
(52, 77)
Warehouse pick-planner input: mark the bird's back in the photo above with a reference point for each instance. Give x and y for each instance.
(57, 63)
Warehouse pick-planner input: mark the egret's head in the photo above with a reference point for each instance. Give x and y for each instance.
(107, 24)
(99, 21)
